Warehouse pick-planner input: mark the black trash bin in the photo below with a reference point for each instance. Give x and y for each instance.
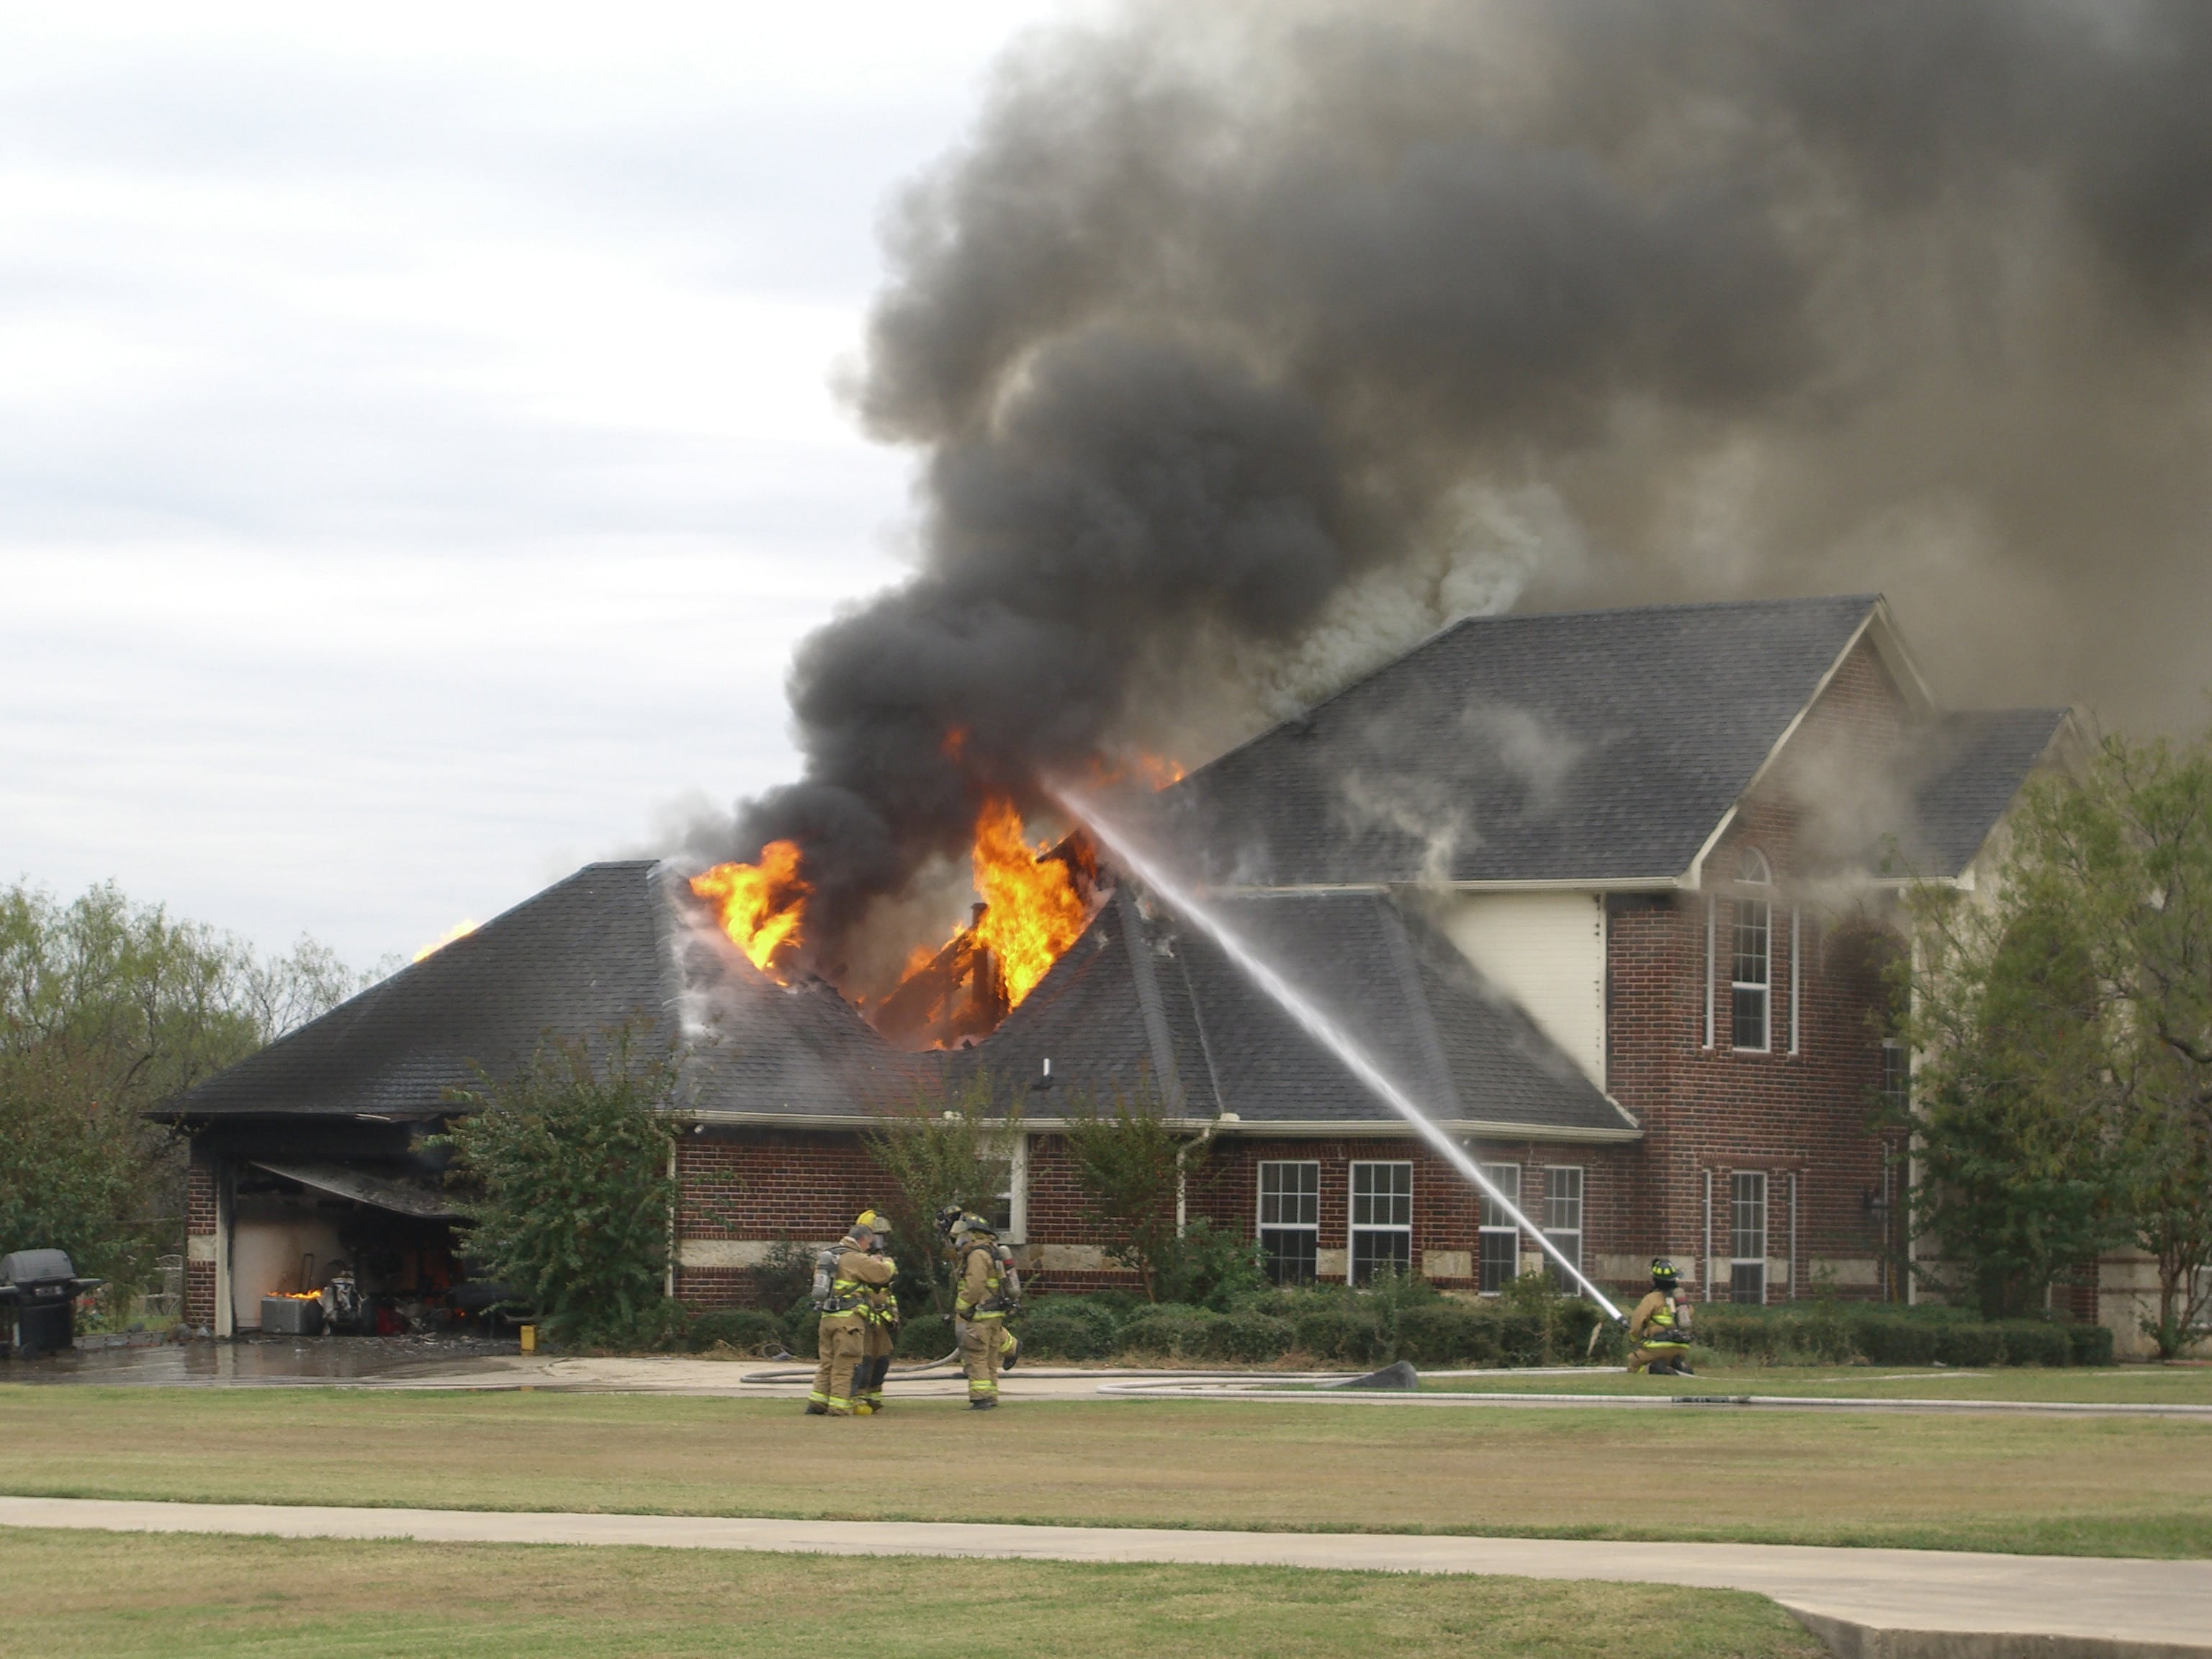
(38, 1290)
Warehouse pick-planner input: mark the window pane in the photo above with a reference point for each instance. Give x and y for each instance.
(1751, 919)
(1501, 1260)
(1382, 1194)
(1896, 1075)
(1568, 1245)
(1379, 1250)
(1747, 1282)
(1507, 1179)
(1748, 1028)
(1563, 1200)
(1748, 1215)
(1290, 1195)
(1292, 1254)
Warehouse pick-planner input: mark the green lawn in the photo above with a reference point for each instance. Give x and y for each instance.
(2174, 1385)
(168, 1597)
(2095, 1486)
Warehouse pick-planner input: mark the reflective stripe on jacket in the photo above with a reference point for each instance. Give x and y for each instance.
(979, 1294)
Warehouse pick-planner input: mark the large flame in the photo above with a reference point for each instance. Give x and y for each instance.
(459, 930)
(1032, 909)
(759, 905)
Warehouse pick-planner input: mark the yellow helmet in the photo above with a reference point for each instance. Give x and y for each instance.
(874, 1221)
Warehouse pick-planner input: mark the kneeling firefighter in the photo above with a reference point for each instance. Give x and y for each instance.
(850, 1278)
(988, 1291)
(1659, 1326)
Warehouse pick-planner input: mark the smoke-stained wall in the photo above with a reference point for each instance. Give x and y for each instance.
(1241, 344)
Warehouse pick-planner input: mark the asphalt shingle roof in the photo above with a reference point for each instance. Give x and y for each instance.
(1142, 995)
(609, 943)
(1964, 768)
(1589, 746)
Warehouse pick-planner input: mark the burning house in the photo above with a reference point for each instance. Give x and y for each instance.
(1609, 894)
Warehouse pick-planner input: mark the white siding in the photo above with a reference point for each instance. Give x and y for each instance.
(1546, 952)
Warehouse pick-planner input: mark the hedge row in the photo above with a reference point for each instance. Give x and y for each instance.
(1839, 1332)
(1364, 1331)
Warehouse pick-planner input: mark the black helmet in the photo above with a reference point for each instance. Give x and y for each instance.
(1663, 1276)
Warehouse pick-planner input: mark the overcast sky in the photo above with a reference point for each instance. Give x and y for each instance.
(418, 446)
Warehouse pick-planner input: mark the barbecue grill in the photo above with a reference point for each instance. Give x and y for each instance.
(38, 1290)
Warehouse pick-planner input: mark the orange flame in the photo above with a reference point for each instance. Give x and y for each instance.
(459, 930)
(1034, 912)
(759, 905)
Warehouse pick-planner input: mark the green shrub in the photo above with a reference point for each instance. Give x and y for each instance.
(1245, 1338)
(1170, 1330)
(1894, 1338)
(923, 1336)
(804, 1327)
(1975, 1345)
(2091, 1344)
(749, 1330)
(1343, 1333)
(1070, 1327)
(1448, 1334)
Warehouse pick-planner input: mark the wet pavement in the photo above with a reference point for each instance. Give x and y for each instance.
(263, 1361)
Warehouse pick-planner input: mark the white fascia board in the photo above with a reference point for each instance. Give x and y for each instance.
(1273, 1129)
(1547, 884)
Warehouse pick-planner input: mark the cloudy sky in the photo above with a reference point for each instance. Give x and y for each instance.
(419, 447)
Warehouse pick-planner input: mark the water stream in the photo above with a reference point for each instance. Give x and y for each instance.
(1325, 1030)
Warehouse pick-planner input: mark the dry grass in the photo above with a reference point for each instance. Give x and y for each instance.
(172, 1597)
(2157, 1385)
(2109, 1486)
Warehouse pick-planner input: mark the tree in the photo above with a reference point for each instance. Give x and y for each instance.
(564, 1170)
(949, 1147)
(2063, 1102)
(107, 1008)
(1132, 1166)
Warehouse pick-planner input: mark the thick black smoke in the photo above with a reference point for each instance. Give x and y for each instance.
(1237, 328)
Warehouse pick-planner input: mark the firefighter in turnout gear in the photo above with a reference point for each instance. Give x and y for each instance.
(882, 1316)
(851, 1278)
(1659, 1326)
(987, 1290)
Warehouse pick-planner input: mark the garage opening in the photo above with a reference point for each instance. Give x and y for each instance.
(376, 1249)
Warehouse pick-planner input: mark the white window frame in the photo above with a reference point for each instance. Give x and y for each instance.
(1263, 1225)
(1492, 1223)
(1567, 1240)
(1748, 1196)
(1354, 1227)
(1752, 872)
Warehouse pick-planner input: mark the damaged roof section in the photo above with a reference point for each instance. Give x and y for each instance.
(1964, 771)
(1144, 996)
(612, 943)
(1600, 746)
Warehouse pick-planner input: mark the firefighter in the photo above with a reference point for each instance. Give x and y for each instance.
(883, 1329)
(849, 1277)
(1659, 1326)
(987, 1290)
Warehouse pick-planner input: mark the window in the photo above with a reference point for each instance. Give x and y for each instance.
(1563, 1220)
(1752, 959)
(1382, 1219)
(1896, 1075)
(1747, 1235)
(1501, 1238)
(1290, 1220)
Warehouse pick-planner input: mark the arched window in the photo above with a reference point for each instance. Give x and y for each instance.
(1753, 974)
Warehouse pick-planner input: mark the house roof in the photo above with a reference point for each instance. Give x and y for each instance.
(609, 943)
(1143, 995)
(1964, 770)
(1596, 745)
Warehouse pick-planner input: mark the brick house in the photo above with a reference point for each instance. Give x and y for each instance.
(1611, 893)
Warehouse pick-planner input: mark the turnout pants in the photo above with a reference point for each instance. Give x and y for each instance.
(1658, 1353)
(842, 1344)
(983, 1348)
(875, 1364)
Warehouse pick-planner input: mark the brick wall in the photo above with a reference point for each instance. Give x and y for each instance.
(1716, 1110)
(200, 1219)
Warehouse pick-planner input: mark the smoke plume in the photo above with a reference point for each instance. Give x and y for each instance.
(1243, 344)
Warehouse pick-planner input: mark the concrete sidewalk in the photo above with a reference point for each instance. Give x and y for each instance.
(1898, 1604)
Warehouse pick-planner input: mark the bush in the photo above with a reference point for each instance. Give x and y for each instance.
(2034, 1342)
(1070, 1327)
(1169, 1330)
(1245, 1338)
(923, 1336)
(2091, 1344)
(1209, 1267)
(1447, 1333)
(749, 1330)
(1345, 1333)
